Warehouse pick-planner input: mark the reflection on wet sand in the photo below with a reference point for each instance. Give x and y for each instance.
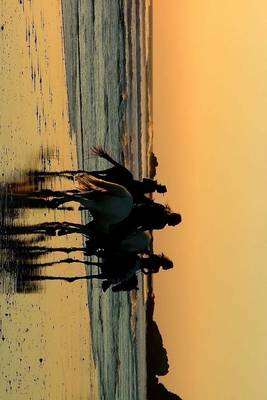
(17, 236)
(27, 252)
(44, 328)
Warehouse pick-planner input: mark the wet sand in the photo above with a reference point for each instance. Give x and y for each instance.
(45, 333)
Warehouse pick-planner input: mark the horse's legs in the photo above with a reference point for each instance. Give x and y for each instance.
(72, 172)
(58, 173)
(63, 278)
(67, 261)
(49, 228)
(45, 250)
(30, 229)
(71, 227)
(42, 193)
(25, 201)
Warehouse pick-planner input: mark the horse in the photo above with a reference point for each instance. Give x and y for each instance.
(109, 203)
(127, 285)
(136, 242)
(117, 270)
(117, 174)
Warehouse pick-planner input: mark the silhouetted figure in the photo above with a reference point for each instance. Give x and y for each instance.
(120, 174)
(147, 217)
(117, 174)
(153, 263)
(116, 269)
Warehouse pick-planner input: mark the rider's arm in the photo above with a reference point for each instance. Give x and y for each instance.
(103, 154)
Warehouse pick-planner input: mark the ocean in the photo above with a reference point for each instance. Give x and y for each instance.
(93, 87)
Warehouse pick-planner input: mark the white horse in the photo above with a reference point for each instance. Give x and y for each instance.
(109, 203)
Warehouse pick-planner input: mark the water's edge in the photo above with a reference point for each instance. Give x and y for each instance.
(106, 69)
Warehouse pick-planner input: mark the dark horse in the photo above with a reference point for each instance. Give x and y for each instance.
(117, 270)
(116, 174)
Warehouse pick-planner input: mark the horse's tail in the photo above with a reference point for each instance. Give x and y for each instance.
(92, 183)
(88, 183)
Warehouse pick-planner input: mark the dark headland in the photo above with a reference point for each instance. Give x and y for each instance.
(156, 354)
(157, 358)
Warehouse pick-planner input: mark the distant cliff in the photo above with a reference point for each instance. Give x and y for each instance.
(157, 359)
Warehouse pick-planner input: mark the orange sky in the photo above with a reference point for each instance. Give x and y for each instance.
(210, 124)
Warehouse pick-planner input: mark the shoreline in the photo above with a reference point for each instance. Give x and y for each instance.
(104, 92)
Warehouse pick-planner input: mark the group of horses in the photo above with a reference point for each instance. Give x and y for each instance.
(123, 215)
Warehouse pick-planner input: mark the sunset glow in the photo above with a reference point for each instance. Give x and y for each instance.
(210, 101)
